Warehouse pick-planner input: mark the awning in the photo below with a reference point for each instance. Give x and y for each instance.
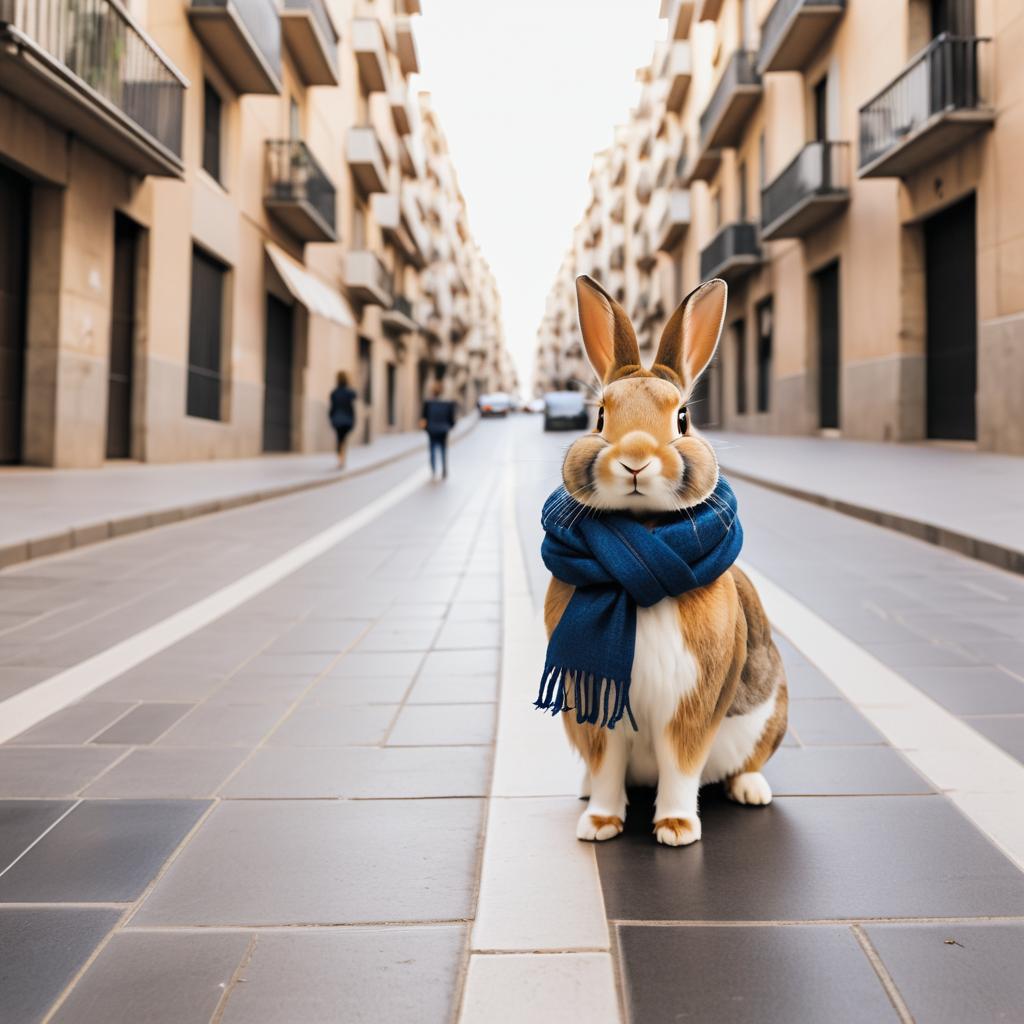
(318, 297)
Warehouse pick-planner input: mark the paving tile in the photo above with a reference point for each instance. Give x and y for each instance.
(976, 977)
(437, 724)
(51, 771)
(290, 664)
(164, 773)
(22, 822)
(938, 626)
(346, 691)
(41, 950)
(468, 635)
(896, 856)
(907, 655)
(806, 681)
(312, 725)
(143, 724)
(223, 725)
(253, 863)
(363, 773)
(461, 663)
(475, 611)
(150, 683)
(374, 664)
(102, 852)
(831, 723)
(842, 771)
(472, 689)
(1007, 733)
(72, 725)
(386, 637)
(331, 637)
(159, 979)
(970, 691)
(248, 689)
(750, 975)
(356, 975)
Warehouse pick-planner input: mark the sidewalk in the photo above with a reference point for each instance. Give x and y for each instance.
(971, 502)
(52, 510)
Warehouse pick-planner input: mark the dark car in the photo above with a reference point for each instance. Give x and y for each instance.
(565, 410)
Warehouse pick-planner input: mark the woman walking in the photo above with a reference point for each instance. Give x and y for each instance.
(437, 419)
(343, 413)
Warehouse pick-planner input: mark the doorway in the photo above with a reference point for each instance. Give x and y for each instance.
(15, 197)
(277, 380)
(827, 285)
(366, 384)
(951, 312)
(122, 339)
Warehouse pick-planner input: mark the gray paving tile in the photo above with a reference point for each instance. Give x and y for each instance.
(373, 664)
(330, 637)
(831, 723)
(806, 681)
(248, 689)
(290, 664)
(1008, 654)
(51, 771)
(472, 689)
(223, 725)
(387, 637)
(102, 852)
(363, 773)
(826, 771)
(468, 635)
(150, 683)
(355, 975)
(461, 663)
(143, 724)
(475, 611)
(346, 691)
(164, 773)
(158, 979)
(41, 950)
(1007, 733)
(752, 975)
(970, 691)
(428, 725)
(253, 863)
(945, 627)
(811, 858)
(72, 725)
(313, 725)
(907, 655)
(22, 822)
(976, 977)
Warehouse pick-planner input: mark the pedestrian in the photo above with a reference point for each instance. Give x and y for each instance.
(343, 413)
(437, 419)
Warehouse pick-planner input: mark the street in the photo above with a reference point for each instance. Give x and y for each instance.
(279, 763)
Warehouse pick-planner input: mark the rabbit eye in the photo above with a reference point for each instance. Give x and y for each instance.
(682, 420)
(600, 419)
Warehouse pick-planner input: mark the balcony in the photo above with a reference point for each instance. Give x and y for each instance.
(812, 189)
(366, 159)
(244, 38)
(738, 92)
(674, 220)
(371, 54)
(678, 70)
(732, 254)
(617, 257)
(680, 17)
(298, 192)
(794, 30)
(390, 214)
(617, 209)
(398, 319)
(88, 67)
(934, 105)
(311, 37)
(401, 109)
(405, 46)
(646, 253)
(367, 279)
(644, 184)
(708, 10)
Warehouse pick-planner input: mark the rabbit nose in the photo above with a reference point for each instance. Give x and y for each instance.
(635, 472)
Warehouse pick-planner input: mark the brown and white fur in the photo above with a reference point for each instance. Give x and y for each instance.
(708, 689)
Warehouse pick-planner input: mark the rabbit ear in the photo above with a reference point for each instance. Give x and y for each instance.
(691, 334)
(607, 333)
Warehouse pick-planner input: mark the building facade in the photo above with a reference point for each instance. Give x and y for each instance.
(847, 166)
(213, 206)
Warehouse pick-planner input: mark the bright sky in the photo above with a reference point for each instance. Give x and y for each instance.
(527, 91)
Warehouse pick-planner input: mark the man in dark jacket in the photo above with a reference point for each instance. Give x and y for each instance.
(437, 419)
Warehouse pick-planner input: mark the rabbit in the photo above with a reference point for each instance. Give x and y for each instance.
(708, 688)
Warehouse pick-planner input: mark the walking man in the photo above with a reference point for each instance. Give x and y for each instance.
(342, 413)
(437, 419)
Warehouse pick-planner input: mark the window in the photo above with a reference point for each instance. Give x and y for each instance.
(821, 110)
(764, 355)
(294, 120)
(392, 382)
(206, 317)
(762, 163)
(716, 208)
(741, 186)
(739, 346)
(212, 107)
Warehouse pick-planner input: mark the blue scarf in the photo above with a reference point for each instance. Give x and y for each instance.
(616, 563)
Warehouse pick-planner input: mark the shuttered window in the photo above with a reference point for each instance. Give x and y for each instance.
(206, 317)
(211, 131)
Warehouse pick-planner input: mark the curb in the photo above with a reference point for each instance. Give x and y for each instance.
(109, 529)
(998, 555)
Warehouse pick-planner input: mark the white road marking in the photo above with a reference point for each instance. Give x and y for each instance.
(32, 705)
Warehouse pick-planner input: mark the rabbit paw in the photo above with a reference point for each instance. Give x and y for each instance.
(677, 831)
(598, 827)
(749, 788)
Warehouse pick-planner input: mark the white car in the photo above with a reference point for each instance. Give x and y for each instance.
(565, 410)
(496, 404)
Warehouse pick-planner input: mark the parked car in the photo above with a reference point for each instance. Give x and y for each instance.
(495, 404)
(535, 405)
(565, 410)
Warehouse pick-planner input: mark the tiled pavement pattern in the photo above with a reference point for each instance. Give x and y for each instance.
(279, 818)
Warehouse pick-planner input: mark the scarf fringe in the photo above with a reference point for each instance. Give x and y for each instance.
(596, 701)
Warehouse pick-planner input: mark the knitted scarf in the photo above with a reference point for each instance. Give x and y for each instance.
(616, 563)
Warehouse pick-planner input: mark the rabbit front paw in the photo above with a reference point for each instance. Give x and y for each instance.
(598, 827)
(677, 831)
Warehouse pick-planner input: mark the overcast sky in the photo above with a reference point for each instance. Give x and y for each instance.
(527, 91)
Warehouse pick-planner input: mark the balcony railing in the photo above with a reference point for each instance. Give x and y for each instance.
(935, 103)
(244, 37)
(87, 64)
(732, 253)
(814, 186)
(367, 279)
(312, 39)
(735, 96)
(793, 30)
(299, 192)
(673, 220)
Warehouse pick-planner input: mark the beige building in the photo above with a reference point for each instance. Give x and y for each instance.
(850, 168)
(212, 206)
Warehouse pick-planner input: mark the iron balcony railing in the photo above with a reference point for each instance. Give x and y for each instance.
(741, 70)
(322, 19)
(402, 305)
(734, 241)
(97, 41)
(943, 77)
(777, 23)
(819, 169)
(263, 23)
(294, 175)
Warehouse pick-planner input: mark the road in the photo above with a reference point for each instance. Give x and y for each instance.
(250, 775)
